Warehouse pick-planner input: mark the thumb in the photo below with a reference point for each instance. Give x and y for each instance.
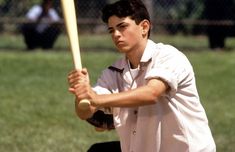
(85, 72)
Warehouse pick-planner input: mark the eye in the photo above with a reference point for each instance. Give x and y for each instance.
(123, 27)
(110, 31)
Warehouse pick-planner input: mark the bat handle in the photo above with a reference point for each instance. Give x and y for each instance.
(84, 104)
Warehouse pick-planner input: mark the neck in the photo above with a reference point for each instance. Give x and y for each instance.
(135, 55)
(134, 61)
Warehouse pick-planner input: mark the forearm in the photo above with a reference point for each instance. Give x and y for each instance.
(84, 113)
(140, 96)
(132, 98)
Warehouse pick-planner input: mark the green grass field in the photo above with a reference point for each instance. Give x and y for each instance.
(37, 111)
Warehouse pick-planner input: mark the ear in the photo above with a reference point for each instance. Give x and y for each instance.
(145, 24)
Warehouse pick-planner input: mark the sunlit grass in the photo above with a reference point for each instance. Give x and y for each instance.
(37, 111)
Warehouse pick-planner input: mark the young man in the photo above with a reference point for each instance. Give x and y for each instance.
(151, 92)
(42, 31)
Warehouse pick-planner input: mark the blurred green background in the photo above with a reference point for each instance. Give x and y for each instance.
(37, 111)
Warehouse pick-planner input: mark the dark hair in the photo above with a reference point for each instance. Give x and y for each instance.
(44, 2)
(123, 8)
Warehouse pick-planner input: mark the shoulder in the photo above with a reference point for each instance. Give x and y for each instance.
(36, 8)
(52, 10)
(168, 52)
(159, 50)
(53, 13)
(167, 49)
(168, 56)
(118, 66)
(34, 12)
(113, 70)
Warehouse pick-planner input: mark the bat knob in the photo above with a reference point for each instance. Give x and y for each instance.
(84, 104)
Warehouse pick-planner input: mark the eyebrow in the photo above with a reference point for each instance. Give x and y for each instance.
(110, 28)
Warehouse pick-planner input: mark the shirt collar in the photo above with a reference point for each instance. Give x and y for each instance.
(146, 57)
(148, 52)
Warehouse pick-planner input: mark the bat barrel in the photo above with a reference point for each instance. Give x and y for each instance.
(70, 19)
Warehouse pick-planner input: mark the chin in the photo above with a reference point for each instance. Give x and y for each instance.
(123, 49)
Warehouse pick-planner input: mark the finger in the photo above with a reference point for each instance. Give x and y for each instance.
(83, 81)
(75, 77)
(75, 73)
(84, 71)
(81, 85)
(72, 79)
(82, 92)
(73, 82)
(72, 90)
(72, 72)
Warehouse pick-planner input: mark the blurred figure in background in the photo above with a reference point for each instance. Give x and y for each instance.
(42, 29)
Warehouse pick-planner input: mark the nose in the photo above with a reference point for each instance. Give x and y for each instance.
(116, 34)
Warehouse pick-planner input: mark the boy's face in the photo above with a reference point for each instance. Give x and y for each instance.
(126, 34)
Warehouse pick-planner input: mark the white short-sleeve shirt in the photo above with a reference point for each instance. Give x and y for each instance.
(36, 11)
(177, 122)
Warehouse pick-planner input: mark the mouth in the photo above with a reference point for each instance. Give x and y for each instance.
(119, 43)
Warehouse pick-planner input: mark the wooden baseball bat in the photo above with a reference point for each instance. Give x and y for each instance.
(69, 13)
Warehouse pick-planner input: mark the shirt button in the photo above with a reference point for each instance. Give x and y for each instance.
(135, 112)
(134, 132)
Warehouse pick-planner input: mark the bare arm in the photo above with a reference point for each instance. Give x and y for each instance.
(144, 95)
(84, 113)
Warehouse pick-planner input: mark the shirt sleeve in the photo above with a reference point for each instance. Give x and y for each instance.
(171, 66)
(100, 88)
(104, 86)
(53, 15)
(34, 12)
(166, 76)
(106, 83)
